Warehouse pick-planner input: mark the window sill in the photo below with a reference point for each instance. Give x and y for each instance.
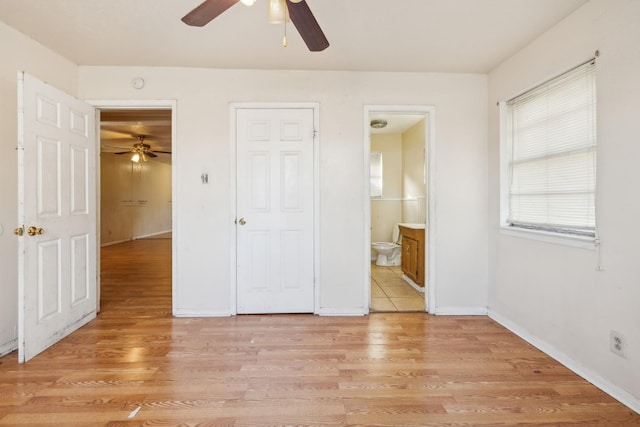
(582, 242)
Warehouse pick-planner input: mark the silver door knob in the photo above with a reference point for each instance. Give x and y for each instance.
(242, 221)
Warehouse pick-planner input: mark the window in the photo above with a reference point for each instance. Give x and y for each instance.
(375, 175)
(551, 136)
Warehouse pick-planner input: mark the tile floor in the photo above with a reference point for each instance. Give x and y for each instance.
(390, 293)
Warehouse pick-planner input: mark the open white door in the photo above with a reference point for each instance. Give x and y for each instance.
(57, 213)
(275, 208)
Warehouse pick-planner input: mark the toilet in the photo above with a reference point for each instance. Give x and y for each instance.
(388, 252)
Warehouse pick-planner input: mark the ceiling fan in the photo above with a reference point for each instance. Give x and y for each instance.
(298, 10)
(142, 151)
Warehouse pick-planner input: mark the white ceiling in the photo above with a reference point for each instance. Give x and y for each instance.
(396, 122)
(462, 36)
(121, 129)
(467, 36)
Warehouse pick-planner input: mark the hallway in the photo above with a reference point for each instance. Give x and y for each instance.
(136, 274)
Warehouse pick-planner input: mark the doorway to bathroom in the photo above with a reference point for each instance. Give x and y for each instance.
(398, 252)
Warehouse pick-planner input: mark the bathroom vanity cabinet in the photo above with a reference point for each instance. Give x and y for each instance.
(413, 250)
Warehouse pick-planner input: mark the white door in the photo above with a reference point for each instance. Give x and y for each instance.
(275, 223)
(57, 209)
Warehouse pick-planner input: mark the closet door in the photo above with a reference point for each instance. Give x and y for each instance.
(274, 225)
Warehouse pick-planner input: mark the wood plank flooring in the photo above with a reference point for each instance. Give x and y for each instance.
(386, 369)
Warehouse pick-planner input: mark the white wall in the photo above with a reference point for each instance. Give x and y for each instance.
(413, 181)
(552, 293)
(135, 198)
(18, 53)
(204, 223)
(387, 211)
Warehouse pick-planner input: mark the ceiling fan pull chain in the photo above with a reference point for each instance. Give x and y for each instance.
(284, 40)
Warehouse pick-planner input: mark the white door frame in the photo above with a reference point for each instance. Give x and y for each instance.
(233, 283)
(430, 117)
(143, 105)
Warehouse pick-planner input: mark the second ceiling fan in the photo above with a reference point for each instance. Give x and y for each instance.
(142, 151)
(298, 10)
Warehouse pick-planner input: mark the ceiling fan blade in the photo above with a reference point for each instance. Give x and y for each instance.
(150, 154)
(307, 26)
(203, 14)
(114, 147)
(163, 152)
(123, 152)
(126, 141)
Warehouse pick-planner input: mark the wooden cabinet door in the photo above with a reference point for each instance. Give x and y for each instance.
(410, 258)
(405, 258)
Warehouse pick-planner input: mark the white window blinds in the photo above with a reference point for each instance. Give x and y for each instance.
(553, 154)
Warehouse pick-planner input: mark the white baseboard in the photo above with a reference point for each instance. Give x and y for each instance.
(208, 313)
(413, 284)
(201, 313)
(102, 245)
(342, 312)
(8, 347)
(144, 236)
(608, 387)
(460, 311)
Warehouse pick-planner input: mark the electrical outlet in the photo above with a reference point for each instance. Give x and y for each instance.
(617, 343)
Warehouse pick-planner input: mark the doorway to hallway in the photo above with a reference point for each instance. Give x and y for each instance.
(137, 181)
(136, 279)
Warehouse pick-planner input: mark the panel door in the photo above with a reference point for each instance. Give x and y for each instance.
(57, 208)
(275, 248)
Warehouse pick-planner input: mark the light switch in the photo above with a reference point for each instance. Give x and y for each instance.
(205, 178)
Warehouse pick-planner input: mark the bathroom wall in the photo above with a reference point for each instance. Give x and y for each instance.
(135, 198)
(413, 174)
(387, 211)
(404, 195)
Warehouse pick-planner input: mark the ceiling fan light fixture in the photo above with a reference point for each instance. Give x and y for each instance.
(278, 12)
(248, 2)
(135, 158)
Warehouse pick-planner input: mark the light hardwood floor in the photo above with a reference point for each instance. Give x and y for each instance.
(386, 369)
